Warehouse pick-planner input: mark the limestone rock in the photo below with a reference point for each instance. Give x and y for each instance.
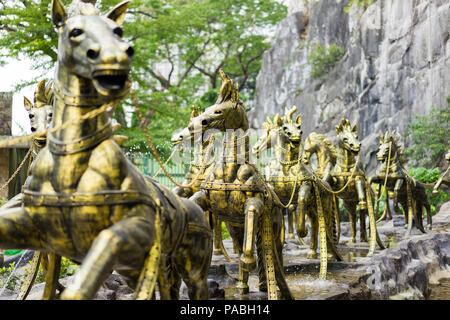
(395, 66)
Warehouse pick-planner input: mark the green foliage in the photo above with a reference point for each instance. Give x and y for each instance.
(225, 234)
(323, 58)
(68, 268)
(2, 201)
(359, 3)
(179, 47)
(430, 136)
(13, 282)
(430, 176)
(392, 243)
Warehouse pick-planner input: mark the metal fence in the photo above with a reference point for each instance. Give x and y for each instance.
(151, 167)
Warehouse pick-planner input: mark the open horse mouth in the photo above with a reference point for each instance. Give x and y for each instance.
(40, 141)
(110, 81)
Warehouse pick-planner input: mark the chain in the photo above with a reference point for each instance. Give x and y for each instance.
(18, 169)
(165, 163)
(387, 171)
(346, 184)
(155, 152)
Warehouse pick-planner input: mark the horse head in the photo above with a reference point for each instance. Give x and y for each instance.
(91, 48)
(40, 113)
(227, 113)
(348, 137)
(290, 129)
(388, 143)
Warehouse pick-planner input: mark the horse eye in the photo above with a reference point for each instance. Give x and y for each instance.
(31, 116)
(75, 33)
(118, 31)
(218, 112)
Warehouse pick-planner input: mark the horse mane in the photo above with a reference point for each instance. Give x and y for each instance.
(82, 7)
(229, 90)
(43, 95)
(394, 137)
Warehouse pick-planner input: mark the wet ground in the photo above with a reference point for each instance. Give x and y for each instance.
(302, 273)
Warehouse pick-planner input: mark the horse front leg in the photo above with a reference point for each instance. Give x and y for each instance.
(18, 231)
(351, 209)
(129, 242)
(363, 207)
(397, 188)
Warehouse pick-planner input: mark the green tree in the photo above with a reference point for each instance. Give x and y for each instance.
(180, 45)
(429, 135)
(323, 58)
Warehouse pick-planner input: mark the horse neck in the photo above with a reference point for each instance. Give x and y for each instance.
(74, 97)
(285, 152)
(202, 152)
(236, 149)
(394, 163)
(346, 159)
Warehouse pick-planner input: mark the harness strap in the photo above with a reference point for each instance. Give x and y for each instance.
(79, 199)
(82, 144)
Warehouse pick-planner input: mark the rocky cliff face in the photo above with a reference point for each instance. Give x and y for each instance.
(396, 65)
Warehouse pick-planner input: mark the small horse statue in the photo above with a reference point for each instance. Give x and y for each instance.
(444, 179)
(284, 135)
(408, 191)
(349, 182)
(236, 193)
(199, 169)
(84, 199)
(40, 114)
(319, 145)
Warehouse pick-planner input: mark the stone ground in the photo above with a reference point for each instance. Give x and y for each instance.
(408, 269)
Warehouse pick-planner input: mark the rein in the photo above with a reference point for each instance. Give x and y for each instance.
(155, 152)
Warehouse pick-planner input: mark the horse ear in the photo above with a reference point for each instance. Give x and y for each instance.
(355, 128)
(381, 139)
(59, 14)
(117, 13)
(339, 128)
(27, 104)
(298, 120)
(277, 120)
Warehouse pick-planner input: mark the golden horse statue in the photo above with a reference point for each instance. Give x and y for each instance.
(349, 182)
(237, 194)
(407, 191)
(283, 134)
(84, 199)
(444, 179)
(201, 166)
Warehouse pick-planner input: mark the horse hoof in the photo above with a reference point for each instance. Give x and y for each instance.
(312, 255)
(249, 262)
(217, 252)
(291, 236)
(352, 240)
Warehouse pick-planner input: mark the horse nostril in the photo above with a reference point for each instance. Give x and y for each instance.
(92, 54)
(204, 122)
(130, 52)
(33, 129)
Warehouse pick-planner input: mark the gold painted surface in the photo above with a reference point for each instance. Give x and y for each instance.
(120, 233)
(235, 193)
(407, 191)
